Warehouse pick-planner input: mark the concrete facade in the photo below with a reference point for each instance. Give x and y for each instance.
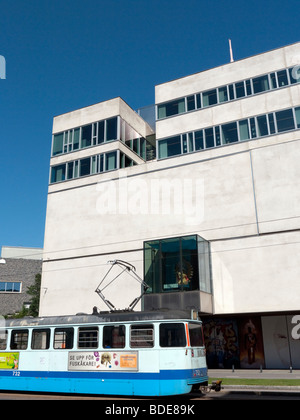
(242, 197)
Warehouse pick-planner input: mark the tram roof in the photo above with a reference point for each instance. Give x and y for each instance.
(102, 317)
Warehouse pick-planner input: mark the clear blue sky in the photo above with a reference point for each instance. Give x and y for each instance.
(66, 54)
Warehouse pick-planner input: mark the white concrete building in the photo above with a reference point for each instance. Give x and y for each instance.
(210, 222)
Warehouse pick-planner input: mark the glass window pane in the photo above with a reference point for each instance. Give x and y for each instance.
(231, 92)
(58, 141)
(285, 120)
(114, 336)
(88, 337)
(19, 340)
(196, 335)
(273, 81)
(172, 335)
(110, 161)
(198, 100)
(58, 173)
(112, 129)
(223, 94)
(199, 145)
(187, 271)
(40, 339)
(3, 339)
(262, 126)
(297, 113)
(85, 167)
(282, 78)
(229, 133)
(209, 98)
(152, 266)
(209, 138)
(253, 128)
(169, 147)
(100, 138)
(271, 123)
(184, 144)
(86, 136)
(142, 336)
(244, 130)
(191, 103)
(2, 286)
(294, 74)
(76, 138)
(248, 87)
(9, 286)
(171, 108)
(70, 170)
(240, 90)
(170, 263)
(260, 84)
(63, 338)
(191, 142)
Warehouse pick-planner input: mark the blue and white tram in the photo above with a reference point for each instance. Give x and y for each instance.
(128, 353)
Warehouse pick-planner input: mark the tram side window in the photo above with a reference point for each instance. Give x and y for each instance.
(114, 336)
(3, 339)
(172, 335)
(63, 338)
(196, 335)
(40, 339)
(88, 337)
(142, 335)
(19, 340)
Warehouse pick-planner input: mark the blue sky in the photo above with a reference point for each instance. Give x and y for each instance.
(66, 54)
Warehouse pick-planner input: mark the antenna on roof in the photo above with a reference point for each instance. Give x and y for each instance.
(231, 54)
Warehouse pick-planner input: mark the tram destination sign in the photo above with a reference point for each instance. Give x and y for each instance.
(103, 361)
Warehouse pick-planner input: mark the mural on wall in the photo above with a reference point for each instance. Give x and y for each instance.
(234, 342)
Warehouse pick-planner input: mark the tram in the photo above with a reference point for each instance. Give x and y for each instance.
(156, 353)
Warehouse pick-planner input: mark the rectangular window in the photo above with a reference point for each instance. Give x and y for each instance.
(169, 147)
(223, 94)
(86, 136)
(110, 161)
(248, 87)
(196, 335)
(3, 339)
(240, 90)
(210, 98)
(76, 138)
(198, 100)
(294, 73)
(253, 128)
(271, 123)
(191, 103)
(231, 92)
(172, 335)
(88, 337)
(244, 130)
(273, 81)
(19, 340)
(199, 145)
(171, 108)
(101, 129)
(10, 287)
(209, 138)
(85, 167)
(297, 113)
(70, 167)
(142, 336)
(63, 338)
(40, 339)
(58, 144)
(285, 120)
(229, 133)
(262, 126)
(260, 84)
(58, 173)
(114, 336)
(282, 78)
(112, 129)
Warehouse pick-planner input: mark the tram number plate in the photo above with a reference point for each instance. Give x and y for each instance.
(16, 373)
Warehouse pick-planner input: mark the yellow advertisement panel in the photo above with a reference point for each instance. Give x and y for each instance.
(9, 360)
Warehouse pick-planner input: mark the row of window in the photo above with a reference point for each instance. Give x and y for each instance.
(113, 336)
(230, 92)
(10, 287)
(90, 166)
(247, 129)
(98, 133)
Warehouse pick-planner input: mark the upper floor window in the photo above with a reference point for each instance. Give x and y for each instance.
(229, 92)
(10, 287)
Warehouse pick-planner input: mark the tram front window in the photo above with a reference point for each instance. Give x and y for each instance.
(172, 335)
